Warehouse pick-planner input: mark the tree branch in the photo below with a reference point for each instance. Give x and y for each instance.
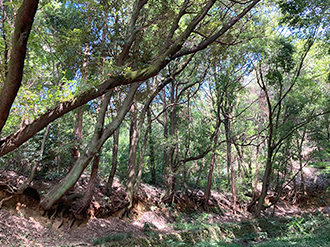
(23, 25)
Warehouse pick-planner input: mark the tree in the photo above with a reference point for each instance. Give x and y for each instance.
(276, 77)
(13, 77)
(175, 46)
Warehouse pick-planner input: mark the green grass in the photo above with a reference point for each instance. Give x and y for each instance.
(310, 230)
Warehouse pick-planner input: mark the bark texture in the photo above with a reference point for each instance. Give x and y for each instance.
(96, 143)
(23, 25)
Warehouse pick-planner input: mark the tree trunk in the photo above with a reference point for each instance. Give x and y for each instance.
(135, 131)
(300, 157)
(132, 161)
(81, 209)
(35, 162)
(140, 168)
(4, 21)
(165, 168)
(266, 180)
(80, 111)
(23, 25)
(171, 176)
(170, 53)
(114, 160)
(151, 150)
(96, 143)
(77, 134)
(209, 182)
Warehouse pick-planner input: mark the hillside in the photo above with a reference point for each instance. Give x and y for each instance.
(24, 223)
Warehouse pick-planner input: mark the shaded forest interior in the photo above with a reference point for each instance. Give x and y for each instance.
(182, 111)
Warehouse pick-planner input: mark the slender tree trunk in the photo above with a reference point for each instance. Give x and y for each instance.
(140, 169)
(240, 162)
(83, 206)
(300, 157)
(165, 168)
(35, 162)
(270, 151)
(23, 25)
(80, 111)
(209, 182)
(231, 165)
(151, 150)
(256, 175)
(77, 134)
(114, 160)
(135, 131)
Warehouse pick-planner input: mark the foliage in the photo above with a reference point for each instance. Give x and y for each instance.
(305, 230)
(288, 52)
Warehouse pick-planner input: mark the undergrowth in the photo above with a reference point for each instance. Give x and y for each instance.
(196, 230)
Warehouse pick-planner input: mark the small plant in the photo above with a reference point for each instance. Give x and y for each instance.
(111, 238)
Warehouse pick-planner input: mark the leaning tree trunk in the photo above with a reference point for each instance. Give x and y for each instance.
(81, 208)
(96, 143)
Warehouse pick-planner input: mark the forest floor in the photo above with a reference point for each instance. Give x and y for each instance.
(23, 223)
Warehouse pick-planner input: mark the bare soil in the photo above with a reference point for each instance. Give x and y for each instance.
(23, 223)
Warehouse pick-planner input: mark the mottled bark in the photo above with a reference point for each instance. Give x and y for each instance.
(171, 176)
(133, 146)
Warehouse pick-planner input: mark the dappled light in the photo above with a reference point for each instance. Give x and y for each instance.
(164, 123)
